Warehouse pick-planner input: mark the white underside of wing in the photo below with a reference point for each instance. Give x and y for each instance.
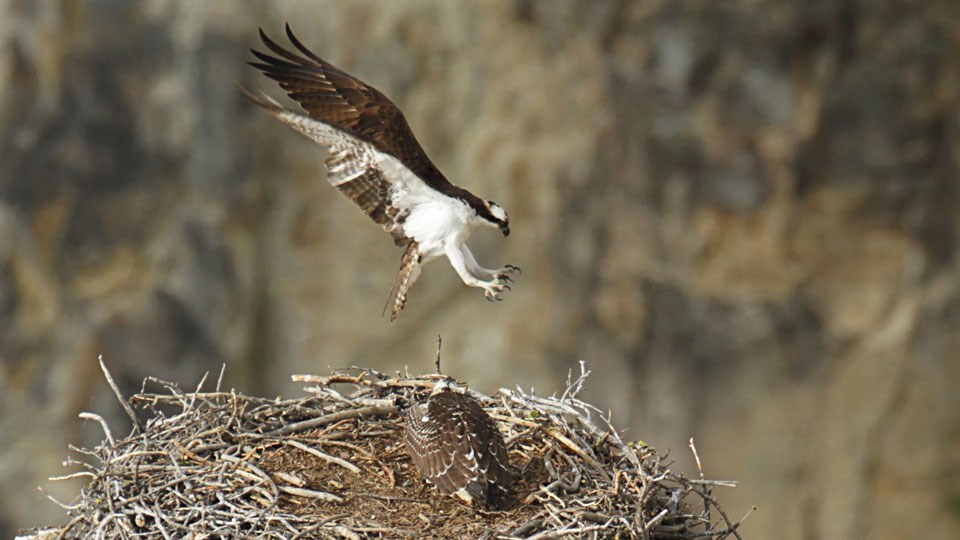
(433, 219)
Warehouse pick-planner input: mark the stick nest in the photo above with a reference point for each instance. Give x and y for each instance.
(216, 464)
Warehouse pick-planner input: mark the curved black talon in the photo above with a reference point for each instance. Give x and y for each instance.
(514, 268)
(507, 287)
(504, 277)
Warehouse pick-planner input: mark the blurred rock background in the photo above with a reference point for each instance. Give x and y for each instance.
(743, 215)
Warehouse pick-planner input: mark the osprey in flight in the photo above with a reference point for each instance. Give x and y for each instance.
(457, 447)
(374, 159)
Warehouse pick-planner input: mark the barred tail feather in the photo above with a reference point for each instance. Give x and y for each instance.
(406, 277)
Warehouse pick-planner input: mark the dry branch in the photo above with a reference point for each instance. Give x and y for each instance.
(330, 465)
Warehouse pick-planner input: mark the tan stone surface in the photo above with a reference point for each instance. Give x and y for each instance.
(743, 215)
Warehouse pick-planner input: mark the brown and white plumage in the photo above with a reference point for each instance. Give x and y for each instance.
(457, 446)
(408, 274)
(375, 160)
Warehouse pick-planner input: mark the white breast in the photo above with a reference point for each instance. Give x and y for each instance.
(436, 224)
(433, 219)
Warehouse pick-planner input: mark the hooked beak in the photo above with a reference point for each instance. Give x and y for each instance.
(505, 229)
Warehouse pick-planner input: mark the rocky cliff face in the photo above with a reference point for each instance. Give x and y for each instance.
(742, 215)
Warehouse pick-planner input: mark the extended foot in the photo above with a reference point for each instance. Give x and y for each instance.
(493, 289)
(503, 274)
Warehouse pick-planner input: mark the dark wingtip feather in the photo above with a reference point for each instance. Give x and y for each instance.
(275, 63)
(300, 46)
(263, 35)
(263, 56)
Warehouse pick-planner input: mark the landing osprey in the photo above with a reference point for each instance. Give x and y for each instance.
(374, 159)
(457, 447)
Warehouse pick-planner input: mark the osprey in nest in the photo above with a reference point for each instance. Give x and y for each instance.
(457, 447)
(374, 159)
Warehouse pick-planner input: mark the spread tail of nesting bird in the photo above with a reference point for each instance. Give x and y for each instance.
(406, 277)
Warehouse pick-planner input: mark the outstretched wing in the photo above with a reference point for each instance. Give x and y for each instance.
(364, 182)
(352, 167)
(333, 97)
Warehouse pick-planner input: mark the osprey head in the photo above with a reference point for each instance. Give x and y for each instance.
(497, 217)
(446, 384)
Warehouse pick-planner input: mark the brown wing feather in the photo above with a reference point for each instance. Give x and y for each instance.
(425, 447)
(458, 447)
(484, 439)
(334, 97)
(351, 169)
(366, 186)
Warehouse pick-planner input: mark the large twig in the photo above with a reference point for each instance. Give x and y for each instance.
(116, 391)
(363, 412)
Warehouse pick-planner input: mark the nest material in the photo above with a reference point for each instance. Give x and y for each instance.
(331, 465)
